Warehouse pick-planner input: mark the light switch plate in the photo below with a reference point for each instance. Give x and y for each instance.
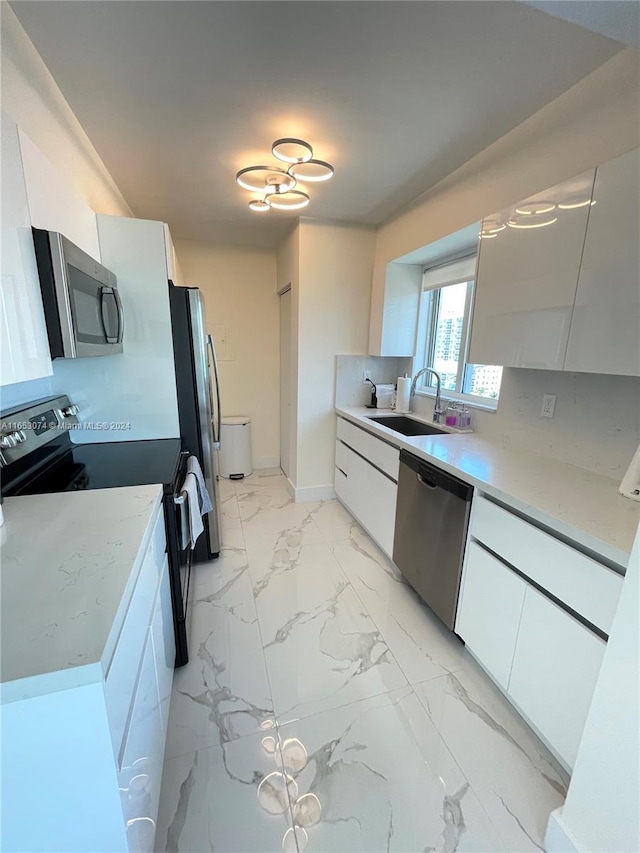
(548, 405)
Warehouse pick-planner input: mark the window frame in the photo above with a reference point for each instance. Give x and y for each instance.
(426, 346)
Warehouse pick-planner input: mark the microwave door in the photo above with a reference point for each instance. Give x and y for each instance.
(97, 314)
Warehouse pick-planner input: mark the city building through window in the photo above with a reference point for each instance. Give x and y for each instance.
(445, 319)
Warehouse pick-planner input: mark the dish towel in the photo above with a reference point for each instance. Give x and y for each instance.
(193, 467)
(190, 486)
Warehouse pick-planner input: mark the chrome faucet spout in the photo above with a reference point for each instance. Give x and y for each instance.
(437, 408)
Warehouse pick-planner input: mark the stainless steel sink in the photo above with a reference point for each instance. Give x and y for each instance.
(406, 426)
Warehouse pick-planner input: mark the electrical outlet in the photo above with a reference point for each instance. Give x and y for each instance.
(366, 377)
(548, 405)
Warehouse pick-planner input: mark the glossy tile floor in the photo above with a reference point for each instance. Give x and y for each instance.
(325, 709)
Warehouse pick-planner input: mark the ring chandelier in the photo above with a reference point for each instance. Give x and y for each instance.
(276, 186)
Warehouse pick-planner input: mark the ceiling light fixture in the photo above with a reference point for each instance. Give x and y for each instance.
(311, 170)
(292, 150)
(277, 187)
(261, 205)
(257, 178)
(290, 200)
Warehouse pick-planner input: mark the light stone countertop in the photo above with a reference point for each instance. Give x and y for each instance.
(68, 566)
(580, 505)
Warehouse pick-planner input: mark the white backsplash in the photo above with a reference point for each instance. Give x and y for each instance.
(350, 390)
(596, 423)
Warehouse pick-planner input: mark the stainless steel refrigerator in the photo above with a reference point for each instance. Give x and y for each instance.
(198, 386)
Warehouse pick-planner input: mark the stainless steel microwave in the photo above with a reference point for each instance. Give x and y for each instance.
(82, 306)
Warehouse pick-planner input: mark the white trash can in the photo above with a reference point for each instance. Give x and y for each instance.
(235, 448)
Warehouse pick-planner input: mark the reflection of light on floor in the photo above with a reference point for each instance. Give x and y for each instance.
(269, 744)
(279, 790)
(295, 840)
(276, 791)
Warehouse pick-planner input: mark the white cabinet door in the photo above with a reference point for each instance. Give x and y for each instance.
(369, 495)
(527, 277)
(605, 328)
(358, 484)
(489, 612)
(164, 646)
(140, 773)
(24, 346)
(174, 273)
(554, 673)
(54, 203)
(380, 497)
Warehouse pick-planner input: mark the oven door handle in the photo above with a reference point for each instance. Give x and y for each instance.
(182, 502)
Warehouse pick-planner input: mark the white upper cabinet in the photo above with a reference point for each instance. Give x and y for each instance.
(394, 310)
(527, 277)
(24, 346)
(53, 203)
(174, 273)
(605, 328)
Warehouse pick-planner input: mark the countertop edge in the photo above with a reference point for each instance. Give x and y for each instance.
(59, 680)
(605, 550)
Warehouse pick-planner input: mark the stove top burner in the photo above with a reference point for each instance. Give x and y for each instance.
(75, 467)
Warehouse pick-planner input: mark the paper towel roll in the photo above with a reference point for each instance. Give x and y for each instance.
(403, 402)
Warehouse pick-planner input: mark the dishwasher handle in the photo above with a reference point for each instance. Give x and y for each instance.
(434, 477)
(428, 483)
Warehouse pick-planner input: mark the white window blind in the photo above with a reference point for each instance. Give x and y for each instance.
(463, 269)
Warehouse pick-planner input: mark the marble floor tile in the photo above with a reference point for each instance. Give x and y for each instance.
(223, 692)
(321, 648)
(226, 488)
(516, 779)
(334, 521)
(226, 799)
(311, 656)
(420, 643)
(375, 775)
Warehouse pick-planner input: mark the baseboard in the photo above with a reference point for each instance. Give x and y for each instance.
(266, 462)
(557, 838)
(314, 493)
(290, 488)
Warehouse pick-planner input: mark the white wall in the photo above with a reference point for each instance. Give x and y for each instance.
(242, 314)
(32, 98)
(334, 302)
(350, 389)
(594, 121)
(601, 813)
(596, 424)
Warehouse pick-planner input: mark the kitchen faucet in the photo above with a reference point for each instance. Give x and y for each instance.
(437, 410)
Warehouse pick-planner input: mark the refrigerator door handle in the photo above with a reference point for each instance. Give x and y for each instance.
(216, 434)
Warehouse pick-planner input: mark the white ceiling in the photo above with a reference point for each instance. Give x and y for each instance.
(617, 19)
(177, 96)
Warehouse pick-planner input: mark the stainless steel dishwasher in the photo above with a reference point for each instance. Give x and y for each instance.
(432, 515)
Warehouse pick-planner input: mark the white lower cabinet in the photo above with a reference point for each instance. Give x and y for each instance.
(140, 773)
(491, 602)
(82, 767)
(164, 644)
(368, 493)
(555, 669)
(520, 588)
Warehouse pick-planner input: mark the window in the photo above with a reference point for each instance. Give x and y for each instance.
(445, 317)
